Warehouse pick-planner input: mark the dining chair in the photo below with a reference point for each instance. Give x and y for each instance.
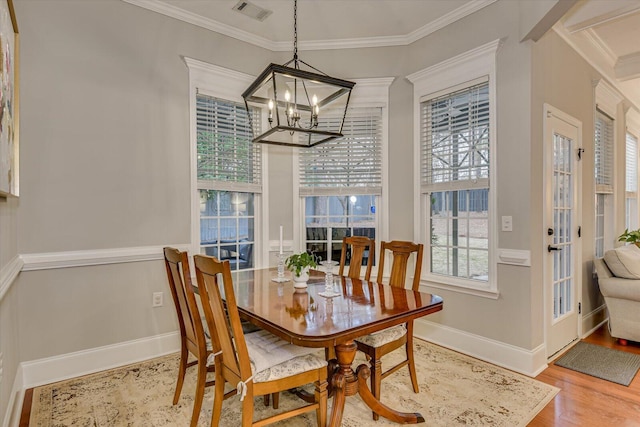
(380, 343)
(256, 364)
(193, 334)
(359, 246)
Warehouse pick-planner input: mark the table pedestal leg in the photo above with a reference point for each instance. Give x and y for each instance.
(347, 383)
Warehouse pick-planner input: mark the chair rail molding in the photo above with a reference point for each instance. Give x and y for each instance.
(514, 257)
(8, 274)
(52, 260)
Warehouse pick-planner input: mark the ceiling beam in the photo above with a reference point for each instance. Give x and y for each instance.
(593, 13)
(538, 17)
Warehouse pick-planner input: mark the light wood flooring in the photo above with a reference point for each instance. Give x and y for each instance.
(583, 401)
(586, 401)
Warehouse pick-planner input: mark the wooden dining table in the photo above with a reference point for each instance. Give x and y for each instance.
(304, 317)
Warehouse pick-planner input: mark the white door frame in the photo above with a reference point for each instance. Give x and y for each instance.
(550, 111)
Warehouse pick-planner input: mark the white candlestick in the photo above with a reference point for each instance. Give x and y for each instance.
(280, 240)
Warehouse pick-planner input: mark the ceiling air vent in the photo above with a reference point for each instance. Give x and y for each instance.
(251, 10)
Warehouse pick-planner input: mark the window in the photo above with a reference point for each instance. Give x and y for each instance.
(604, 178)
(227, 166)
(454, 150)
(341, 183)
(228, 162)
(455, 178)
(631, 183)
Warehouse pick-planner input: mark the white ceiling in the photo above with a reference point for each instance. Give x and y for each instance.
(609, 29)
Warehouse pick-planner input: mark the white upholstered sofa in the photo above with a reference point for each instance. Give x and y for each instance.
(619, 281)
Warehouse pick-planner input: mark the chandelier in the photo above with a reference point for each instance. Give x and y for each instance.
(305, 107)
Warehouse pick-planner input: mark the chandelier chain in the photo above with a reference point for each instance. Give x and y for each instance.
(295, 33)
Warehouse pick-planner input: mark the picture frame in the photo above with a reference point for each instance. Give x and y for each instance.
(9, 101)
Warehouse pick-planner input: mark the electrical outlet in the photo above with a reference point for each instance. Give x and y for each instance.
(157, 299)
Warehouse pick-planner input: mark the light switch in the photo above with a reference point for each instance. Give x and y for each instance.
(507, 223)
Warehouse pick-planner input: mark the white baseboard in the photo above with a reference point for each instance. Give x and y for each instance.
(593, 320)
(12, 415)
(58, 368)
(71, 365)
(527, 362)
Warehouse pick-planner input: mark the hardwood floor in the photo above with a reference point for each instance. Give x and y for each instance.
(583, 401)
(586, 401)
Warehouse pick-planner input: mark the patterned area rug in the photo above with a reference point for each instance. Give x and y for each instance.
(454, 390)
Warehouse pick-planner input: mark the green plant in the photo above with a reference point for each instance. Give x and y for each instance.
(630, 236)
(298, 262)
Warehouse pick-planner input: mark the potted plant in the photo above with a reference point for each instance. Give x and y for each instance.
(299, 265)
(630, 237)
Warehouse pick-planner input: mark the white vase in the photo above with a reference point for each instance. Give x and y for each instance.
(301, 280)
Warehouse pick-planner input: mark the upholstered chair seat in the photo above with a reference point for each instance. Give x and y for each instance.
(378, 339)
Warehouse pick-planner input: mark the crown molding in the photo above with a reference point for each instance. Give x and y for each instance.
(353, 43)
(628, 67)
(597, 42)
(447, 19)
(200, 21)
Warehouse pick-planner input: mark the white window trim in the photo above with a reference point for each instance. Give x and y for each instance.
(607, 100)
(444, 77)
(632, 119)
(372, 92)
(226, 84)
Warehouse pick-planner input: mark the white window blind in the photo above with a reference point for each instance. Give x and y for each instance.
(227, 159)
(631, 181)
(351, 164)
(455, 140)
(603, 153)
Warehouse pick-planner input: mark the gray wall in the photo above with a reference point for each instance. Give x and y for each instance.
(508, 319)
(105, 163)
(105, 157)
(9, 338)
(565, 80)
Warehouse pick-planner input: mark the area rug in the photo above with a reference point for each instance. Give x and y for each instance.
(454, 390)
(601, 362)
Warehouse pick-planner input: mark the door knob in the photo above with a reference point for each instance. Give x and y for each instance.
(553, 248)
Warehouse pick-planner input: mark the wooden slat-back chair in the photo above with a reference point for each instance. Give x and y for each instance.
(193, 338)
(378, 344)
(233, 350)
(359, 245)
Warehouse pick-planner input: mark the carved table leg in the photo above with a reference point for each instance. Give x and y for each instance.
(344, 381)
(363, 373)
